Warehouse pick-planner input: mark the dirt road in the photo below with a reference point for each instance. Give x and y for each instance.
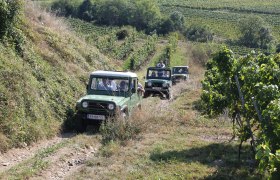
(57, 158)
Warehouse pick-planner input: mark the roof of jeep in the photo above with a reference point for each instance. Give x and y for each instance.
(159, 68)
(180, 66)
(113, 74)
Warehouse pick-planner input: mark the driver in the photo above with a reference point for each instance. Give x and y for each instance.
(103, 85)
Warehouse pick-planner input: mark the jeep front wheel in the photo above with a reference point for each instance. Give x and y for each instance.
(80, 124)
(146, 94)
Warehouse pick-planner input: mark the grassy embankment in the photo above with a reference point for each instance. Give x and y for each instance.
(39, 90)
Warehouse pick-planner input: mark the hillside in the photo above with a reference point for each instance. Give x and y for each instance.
(40, 84)
(198, 134)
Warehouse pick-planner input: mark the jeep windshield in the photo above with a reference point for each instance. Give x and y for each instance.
(109, 85)
(180, 70)
(158, 74)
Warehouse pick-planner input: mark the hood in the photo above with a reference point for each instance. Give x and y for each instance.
(116, 99)
(158, 80)
(179, 74)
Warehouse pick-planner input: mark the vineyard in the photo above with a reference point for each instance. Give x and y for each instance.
(269, 7)
(223, 17)
(247, 88)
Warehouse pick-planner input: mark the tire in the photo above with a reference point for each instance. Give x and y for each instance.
(146, 95)
(80, 124)
(168, 95)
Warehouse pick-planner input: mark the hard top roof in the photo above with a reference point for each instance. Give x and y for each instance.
(180, 66)
(113, 74)
(159, 68)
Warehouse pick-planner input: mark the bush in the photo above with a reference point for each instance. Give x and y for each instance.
(118, 129)
(278, 48)
(256, 33)
(201, 54)
(4, 145)
(64, 8)
(122, 34)
(199, 34)
(9, 13)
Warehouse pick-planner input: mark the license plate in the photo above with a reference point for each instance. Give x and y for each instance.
(98, 117)
(157, 88)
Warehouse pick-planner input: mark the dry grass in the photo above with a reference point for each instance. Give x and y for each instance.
(41, 18)
(4, 145)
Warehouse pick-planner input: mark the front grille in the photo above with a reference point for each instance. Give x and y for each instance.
(178, 77)
(157, 85)
(97, 105)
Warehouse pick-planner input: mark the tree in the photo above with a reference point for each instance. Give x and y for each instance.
(112, 12)
(64, 8)
(256, 33)
(146, 15)
(199, 33)
(85, 11)
(178, 20)
(175, 22)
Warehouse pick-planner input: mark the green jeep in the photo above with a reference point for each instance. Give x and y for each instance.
(158, 82)
(109, 93)
(180, 73)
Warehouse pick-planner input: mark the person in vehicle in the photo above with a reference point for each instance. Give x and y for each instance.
(123, 86)
(161, 64)
(103, 85)
(153, 74)
(113, 85)
(160, 73)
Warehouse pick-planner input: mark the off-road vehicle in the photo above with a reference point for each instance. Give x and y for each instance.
(158, 81)
(109, 94)
(180, 73)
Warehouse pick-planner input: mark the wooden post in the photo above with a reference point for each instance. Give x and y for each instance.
(243, 106)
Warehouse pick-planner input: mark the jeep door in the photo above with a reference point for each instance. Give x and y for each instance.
(135, 98)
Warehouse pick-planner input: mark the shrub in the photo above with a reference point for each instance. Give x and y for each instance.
(9, 13)
(4, 145)
(122, 34)
(118, 129)
(278, 48)
(199, 34)
(256, 33)
(64, 8)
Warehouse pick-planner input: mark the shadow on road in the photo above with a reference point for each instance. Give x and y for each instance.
(222, 156)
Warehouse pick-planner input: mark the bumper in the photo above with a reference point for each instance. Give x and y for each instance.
(151, 90)
(89, 117)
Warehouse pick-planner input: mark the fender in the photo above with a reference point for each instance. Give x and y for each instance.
(124, 108)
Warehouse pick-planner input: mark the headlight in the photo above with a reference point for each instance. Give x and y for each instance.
(85, 104)
(164, 85)
(111, 106)
(149, 83)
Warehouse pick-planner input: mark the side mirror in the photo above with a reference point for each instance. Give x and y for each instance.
(87, 86)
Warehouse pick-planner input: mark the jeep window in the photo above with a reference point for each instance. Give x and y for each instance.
(158, 74)
(109, 84)
(180, 70)
(133, 85)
